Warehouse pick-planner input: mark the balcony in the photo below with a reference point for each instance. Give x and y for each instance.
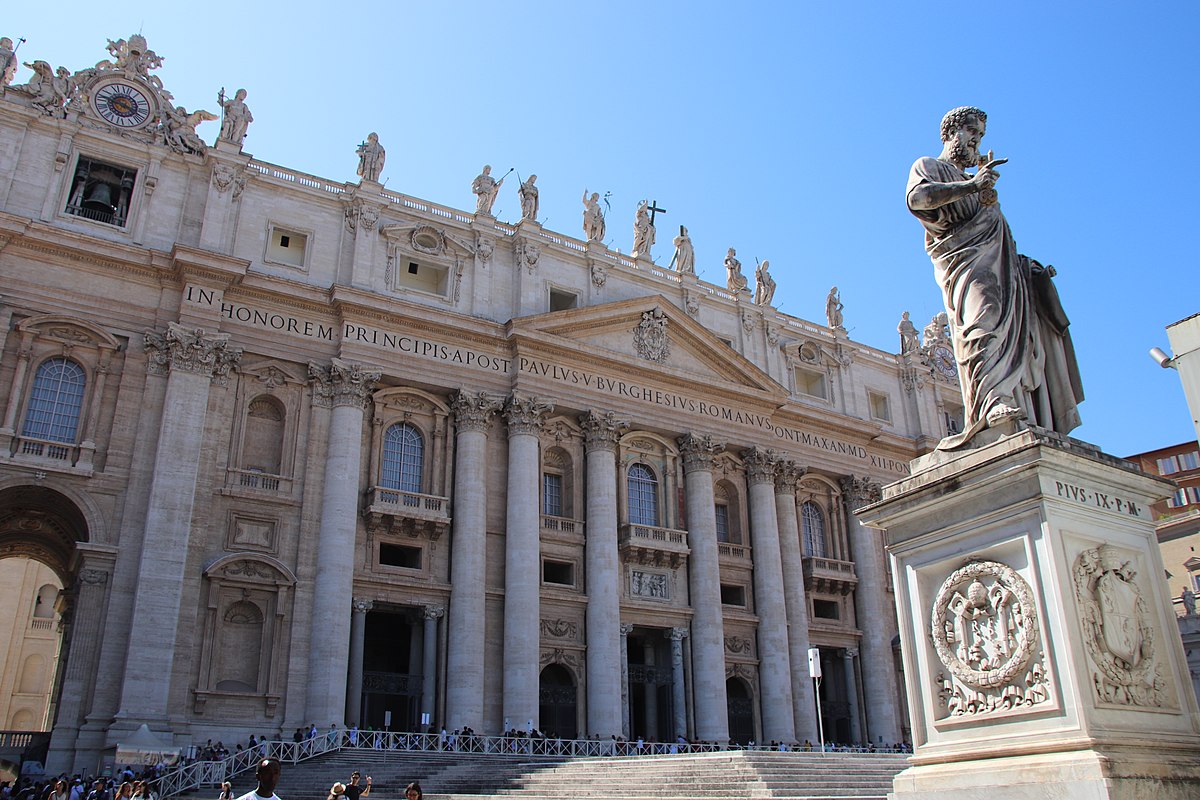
(829, 576)
(645, 544)
(48, 454)
(733, 554)
(562, 528)
(398, 512)
(254, 480)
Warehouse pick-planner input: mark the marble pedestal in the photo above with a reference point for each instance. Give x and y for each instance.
(1040, 647)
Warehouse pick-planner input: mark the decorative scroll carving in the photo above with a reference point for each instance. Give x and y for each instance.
(772, 334)
(191, 351)
(698, 452)
(361, 605)
(691, 304)
(736, 644)
(626, 629)
(528, 253)
(985, 631)
(484, 248)
(599, 274)
(1117, 630)
(601, 431)
(93, 577)
(525, 414)
(676, 634)
(433, 612)
(473, 411)
(649, 584)
(760, 464)
(250, 569)
(787, 474)
(858, 492)
(560, 629)
(361, 215)
(225, 177)
(748, 320)
(342, 383)
(650, 336)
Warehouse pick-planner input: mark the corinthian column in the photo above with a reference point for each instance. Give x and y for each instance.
(679, 705)
(704, 592)
(874, 610)
(774, 665)
(468, 566)
(191, 360)
(803, 703)
(346, 390)
(522, 558)
(358, 637)
(601, 563)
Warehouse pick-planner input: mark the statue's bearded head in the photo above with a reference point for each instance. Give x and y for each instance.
(962, 130)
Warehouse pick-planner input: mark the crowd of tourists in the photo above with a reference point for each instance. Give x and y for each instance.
(127, 785)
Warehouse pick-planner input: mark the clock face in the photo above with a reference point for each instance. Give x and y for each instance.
(943, 359)
(122, 104)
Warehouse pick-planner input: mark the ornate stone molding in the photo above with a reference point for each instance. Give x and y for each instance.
(599, 274)
(191, 350)
(748, 320)
(698, 452)
(225, 177)
(361, 215)
(761, 465)
(736, 644)
(984, 626)
(484, 247)
(433, 612)
(601, 431)
(559, 629)
(93, 577)
(691, 303)
(362, 605)
(787, 475)
(525, 414)
(858, 492)
(342, 384)
(626, 629)
(473, 411)
(1118, 630)
(676, 634)
(650, 336)
(527, 253)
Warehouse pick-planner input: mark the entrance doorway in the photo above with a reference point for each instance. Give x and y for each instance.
(651, 696)
(391, 681)
(741, 710)
(558, 713)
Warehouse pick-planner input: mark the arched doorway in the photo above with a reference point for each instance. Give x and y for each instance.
(557, 712)
(44, 538)
(741, 710)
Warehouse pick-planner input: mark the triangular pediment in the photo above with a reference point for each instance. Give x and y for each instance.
(647, 332)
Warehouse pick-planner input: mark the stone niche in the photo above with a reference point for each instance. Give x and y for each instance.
(1037, 633)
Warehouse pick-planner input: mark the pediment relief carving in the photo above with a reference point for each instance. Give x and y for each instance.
(427, 240)
(69, 331)
(271, 375)
(816, 354)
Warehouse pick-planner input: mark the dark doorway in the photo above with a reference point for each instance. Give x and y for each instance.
(835, 698)
(391, 671)
(557, 713)
(741, 710)
(651, 699)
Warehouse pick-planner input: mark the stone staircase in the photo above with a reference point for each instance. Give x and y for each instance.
(731, 774)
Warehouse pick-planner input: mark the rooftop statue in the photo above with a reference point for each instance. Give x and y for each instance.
(643, 231)
(529, 198)
(485, 188)
(1014, 352)
(47, 89)
(371, 156)
(908, 335)
(734, 279)
(764, 285)
(685, 254)
(235, 117)
(8, 62)
(180, 129)
(593, 217)
(833, 310)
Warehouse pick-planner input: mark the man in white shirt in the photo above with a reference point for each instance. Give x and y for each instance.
(268, 776)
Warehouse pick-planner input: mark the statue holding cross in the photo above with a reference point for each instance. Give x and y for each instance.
(643, 228)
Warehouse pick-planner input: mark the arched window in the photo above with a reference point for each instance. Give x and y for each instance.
(643, 495)
(262, 445)
(43, 606)
(56, 401)
(403, 458)
(814, 529)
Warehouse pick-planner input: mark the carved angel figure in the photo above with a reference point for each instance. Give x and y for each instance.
(47, 91)
(181, 129)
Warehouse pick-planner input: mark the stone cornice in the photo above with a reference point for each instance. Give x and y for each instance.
(215, 268)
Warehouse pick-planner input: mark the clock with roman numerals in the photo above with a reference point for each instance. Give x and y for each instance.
(122, 104)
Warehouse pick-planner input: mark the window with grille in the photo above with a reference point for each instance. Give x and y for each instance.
(813, 520)
(56, 401)
(552, 494)
(643, 495)
(403, 458)
(722, 523)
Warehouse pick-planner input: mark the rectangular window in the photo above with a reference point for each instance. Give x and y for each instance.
(101, 192)
(825, 609)
(560, 572)
(881, 409)
(1178, 499)
(561, 300)
(722, 523)
(286, 246)
(1167, 465)
(398, 555)
(733, 595)
(1189, 460)
(811, 383)
(954, 419)
(552, 495)
(423, 278)
(1193, 494)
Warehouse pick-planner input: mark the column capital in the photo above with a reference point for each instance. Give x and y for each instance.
(433, 612)
(473, 411)
(859, 491)
(525, 414)
(626, 629)
(676, 634)
(761, 464)
(601, 430)
(698, 451)
(362, 605)
(342, 383)
(849, 653)
(191, 350)
(91, 576)
(787, 475)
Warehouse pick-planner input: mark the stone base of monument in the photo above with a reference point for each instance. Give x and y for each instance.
(1040, 645)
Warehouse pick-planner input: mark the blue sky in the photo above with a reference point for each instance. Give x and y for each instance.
(785, 130)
